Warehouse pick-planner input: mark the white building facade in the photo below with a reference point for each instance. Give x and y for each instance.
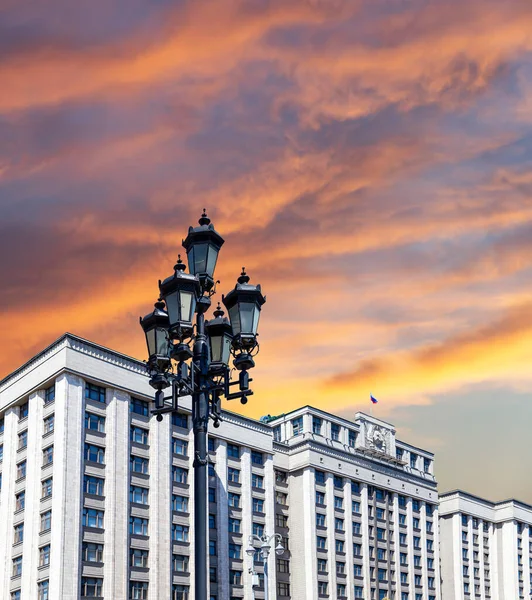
(95, 497)
(486, 548)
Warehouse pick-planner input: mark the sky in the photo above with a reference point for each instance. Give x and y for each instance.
(368, 161)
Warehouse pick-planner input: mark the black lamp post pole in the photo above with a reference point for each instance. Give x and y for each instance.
(200, 420)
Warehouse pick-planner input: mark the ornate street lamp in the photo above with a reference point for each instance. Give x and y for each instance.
(180, 334)
(263, 552)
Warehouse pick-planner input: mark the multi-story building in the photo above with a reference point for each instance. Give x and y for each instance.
(486, 548)
(95, 497)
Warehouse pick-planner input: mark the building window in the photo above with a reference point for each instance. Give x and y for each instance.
(234, 525)
(258, 505)
(233, 475)
(281, 520)
(180, 592)
(413, 460)
(138, 558)
(42, 590)
(233, 451)
(180, 447)
(283, 589)
(94, 392)
(355, 507)
(139, 435)
(257, 481)
(17, 566)
(95, 454)
(94, 422)
(212, 547)
(319, 477)
(321, 542)
(48, 456)
(15, 595)
(46, 520)
(24, 410)
(352, 438)
(93, 485)
(92, 518)
(139, 526)
(416, 505)
(316, 425)
(180, 563)
(91, 552)
(212, 494)
(139, 407)
(322, 588)
(235, 551)
(180, 532)
(320, 498)
(320, 520)
(46, 488)
(357, 549)
(91, 587)
(138, 494)
(19, 533)
(283, 565)
(426, 465)
(179, 503)
(335, 431)
(23, 439)
(256, 458)
(338, 524)
(180, 420)
(338, 482)
(49, 424)
(139, 464)
(338, 502)
(234, 500)
(235, 577)
(281, 498)
(277, 433)
(297, 426)
(49, 395)
(210, 444)
(357, 529)
(322, 565)
(258, 529)
(340, 590)
(21, 470)
(179, 475)
(20, 500)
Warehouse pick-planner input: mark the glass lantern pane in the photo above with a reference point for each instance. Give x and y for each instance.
(186, 306)
(150, 340)
(234, 317)
(162, 342)
(211, 260)
(171, 305)
(226, 349)
(200, 259)
(216, 348)
(247, 315)
(256, 316)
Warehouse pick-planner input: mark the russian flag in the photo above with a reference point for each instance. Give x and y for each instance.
(373, 399)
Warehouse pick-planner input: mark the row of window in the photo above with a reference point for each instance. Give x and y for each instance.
(379, 512)
(321, 544)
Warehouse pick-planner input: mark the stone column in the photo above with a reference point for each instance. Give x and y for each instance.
(269, 526)
(364, 513)
(7, 498)
(34, 458)
(116, 547)
(437, 567)
(349, 579)
(423, 527)
(331, 543)
(247, 512)
(222, 521)
(396, 545)
(410, 546)
(160, 545)
(65, 555)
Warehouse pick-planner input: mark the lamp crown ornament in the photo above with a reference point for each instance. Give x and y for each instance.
(244, 277)
(218, 311)
(180, 265)
(204, 219)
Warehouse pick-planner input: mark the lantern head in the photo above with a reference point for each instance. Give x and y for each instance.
(220, 335)
(180, 292)
(203, 244)
(155, 327)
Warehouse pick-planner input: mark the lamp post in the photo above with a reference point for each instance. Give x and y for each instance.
(263, 552)
(192, 356)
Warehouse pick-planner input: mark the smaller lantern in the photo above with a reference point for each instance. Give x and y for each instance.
(155, 326)
(202, 245)
(180, 292)
(244, 304)
(220, 335)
